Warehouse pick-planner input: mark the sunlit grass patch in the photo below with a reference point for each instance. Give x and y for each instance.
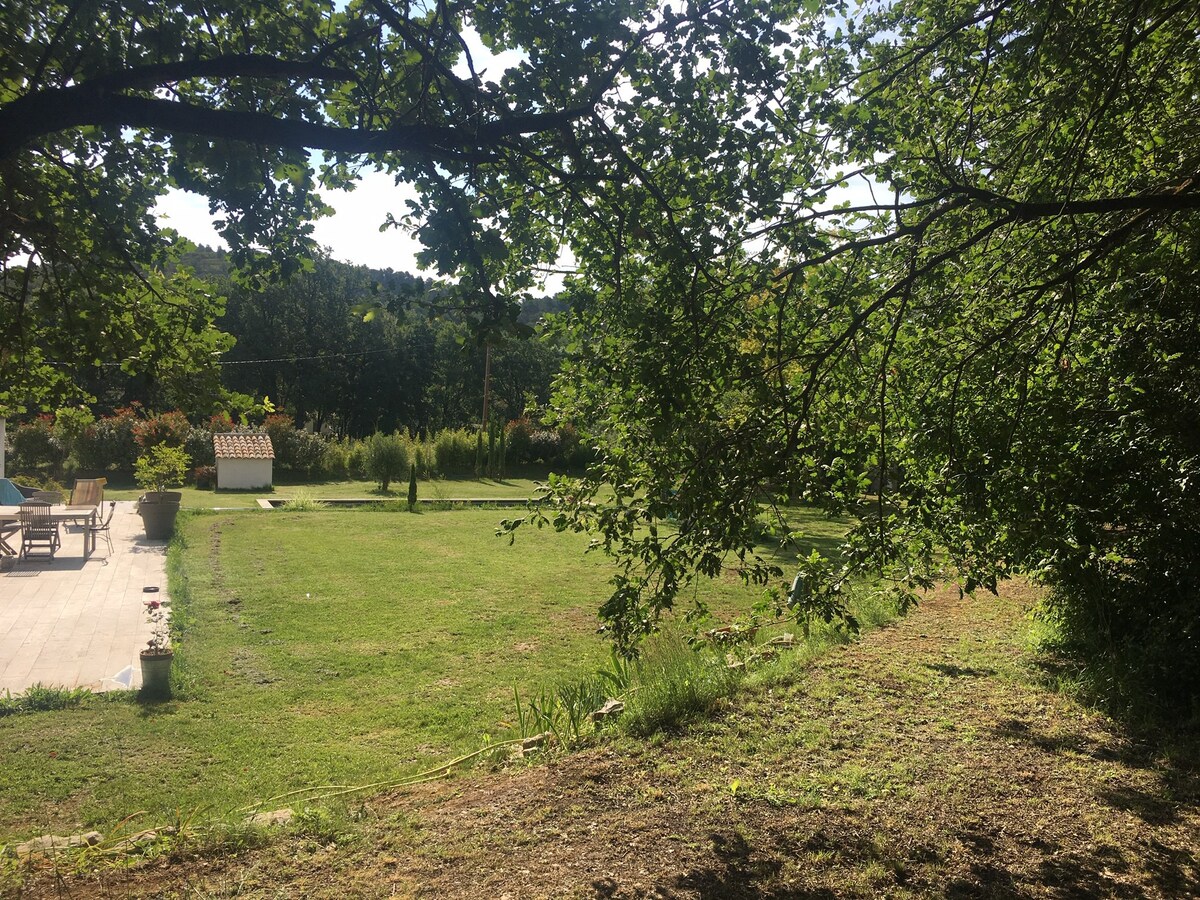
(325, 647)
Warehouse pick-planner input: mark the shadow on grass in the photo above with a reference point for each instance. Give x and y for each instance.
(1078, 743)
(989, 862)
(953, 671)
(801, 531)
(985, 880)
(738, 871)
(1151, 808)
(785, 554)
(155, 707)
(1176, 763)
(1066, 870)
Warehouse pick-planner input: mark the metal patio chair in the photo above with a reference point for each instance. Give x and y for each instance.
(105, 526)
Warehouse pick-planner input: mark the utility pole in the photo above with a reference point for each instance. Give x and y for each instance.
(487, 381)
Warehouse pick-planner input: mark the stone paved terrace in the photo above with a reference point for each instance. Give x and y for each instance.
(73, 622)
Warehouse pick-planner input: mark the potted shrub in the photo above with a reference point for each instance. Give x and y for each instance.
(156, 659)
(163, 467)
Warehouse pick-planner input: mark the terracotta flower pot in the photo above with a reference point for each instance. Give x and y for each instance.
(158, 510)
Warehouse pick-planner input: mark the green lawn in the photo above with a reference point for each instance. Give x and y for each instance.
(319, 648)
(438, 489)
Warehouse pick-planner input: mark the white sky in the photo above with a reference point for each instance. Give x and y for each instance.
(352, 234)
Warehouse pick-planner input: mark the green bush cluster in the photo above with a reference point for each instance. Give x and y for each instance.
(74, 443)
(387, 458)
(199, 446)
(108, 443)
(528, 443)
(43, 698)
(36, 445)
(454, 451)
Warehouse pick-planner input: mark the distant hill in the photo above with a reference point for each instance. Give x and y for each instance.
(207, 263)
(533, 310)
(214, 265)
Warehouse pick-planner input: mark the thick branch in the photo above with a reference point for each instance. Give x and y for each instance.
(245, 65)
(38, 115)
(1181, 195)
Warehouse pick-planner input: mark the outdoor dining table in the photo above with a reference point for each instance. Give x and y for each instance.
(61, 514)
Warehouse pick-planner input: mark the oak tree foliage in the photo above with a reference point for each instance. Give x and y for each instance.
(104, 104)
(940, 253)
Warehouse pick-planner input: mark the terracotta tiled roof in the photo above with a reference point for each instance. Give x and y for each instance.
(233, 445)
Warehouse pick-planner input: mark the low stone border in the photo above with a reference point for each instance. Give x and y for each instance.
(277, 502)
(50, 844)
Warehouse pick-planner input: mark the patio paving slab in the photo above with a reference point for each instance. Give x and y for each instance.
(75, 622)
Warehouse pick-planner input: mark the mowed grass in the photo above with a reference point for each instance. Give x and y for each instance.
(427, 489)
(330, 647)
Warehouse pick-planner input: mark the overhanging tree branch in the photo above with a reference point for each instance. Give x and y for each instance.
(1178, 196)
(244, 65)
(31, 117)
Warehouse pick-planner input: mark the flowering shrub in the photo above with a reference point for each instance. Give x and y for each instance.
(544, 446)
(518, 439)
(220, 423)
(568, 441)
(282, 430)
(109, 443)
(170, 428)
(199, 446)
(205, 477)
(160, 628)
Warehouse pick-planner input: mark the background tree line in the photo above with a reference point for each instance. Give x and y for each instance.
(346, 350)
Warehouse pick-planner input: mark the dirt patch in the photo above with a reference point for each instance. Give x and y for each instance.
(575, 617)
(924, 760)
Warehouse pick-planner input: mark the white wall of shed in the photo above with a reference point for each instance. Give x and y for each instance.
(243, 474)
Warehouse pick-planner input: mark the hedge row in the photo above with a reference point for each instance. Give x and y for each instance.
(73, 441)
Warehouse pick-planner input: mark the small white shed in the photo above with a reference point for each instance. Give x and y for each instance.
(244, 461)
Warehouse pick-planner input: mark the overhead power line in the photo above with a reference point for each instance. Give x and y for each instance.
(246, 362)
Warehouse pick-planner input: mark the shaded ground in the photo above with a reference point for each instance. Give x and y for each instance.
(925, 760)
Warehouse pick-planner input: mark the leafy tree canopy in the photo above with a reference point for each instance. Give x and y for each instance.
(103, 105)
(998, 339)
